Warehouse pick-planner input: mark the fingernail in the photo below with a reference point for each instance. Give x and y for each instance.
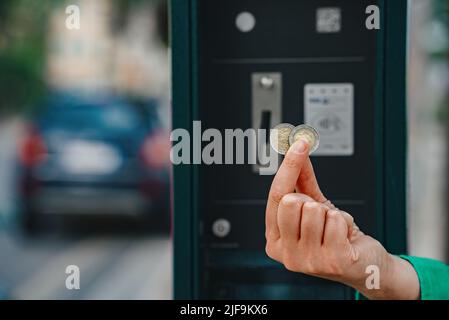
(300, 146)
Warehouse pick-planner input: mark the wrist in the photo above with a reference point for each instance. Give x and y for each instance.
(398, 281)
(404, 281)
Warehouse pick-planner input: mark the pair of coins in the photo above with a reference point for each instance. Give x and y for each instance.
(284, 135)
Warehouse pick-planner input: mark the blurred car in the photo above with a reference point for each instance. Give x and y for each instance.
(94, 157)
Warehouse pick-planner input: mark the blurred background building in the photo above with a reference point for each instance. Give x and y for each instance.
(131, 59)
(118, 61)
(84, 149)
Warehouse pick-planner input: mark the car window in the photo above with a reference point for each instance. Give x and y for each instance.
(104, 117)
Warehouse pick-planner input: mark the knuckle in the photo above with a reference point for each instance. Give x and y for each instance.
(267, 235)
(270, 250)
(290, 201)
(276, 195)
(312, 206)
(331, 214)
(290, 266)
(347, 216)
(304, 198)
(341, 222)
(336, 216)
(350, 218)
(289, 261)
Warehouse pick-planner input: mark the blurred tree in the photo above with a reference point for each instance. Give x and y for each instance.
(23, 25)
(441, 15)
(22, 51)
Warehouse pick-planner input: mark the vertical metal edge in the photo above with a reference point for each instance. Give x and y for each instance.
(380, 126)
(181, 174)
(379, 130)
(195, 187)
(395, 138)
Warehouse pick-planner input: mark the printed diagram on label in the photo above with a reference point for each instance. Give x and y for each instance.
(329, 108)
(328, 20)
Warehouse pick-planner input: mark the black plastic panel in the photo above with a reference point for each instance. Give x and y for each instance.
(284, 40)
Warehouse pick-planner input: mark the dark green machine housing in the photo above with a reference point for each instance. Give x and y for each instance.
(214, 67)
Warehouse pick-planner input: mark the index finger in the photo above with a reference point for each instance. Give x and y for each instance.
(284, 183)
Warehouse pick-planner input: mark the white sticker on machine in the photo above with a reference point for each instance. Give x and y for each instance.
(329, 108)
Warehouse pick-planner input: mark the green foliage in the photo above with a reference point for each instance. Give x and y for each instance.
(441, 14)
(441, 10)
(23, 31)
(22, 47)
(21, 84)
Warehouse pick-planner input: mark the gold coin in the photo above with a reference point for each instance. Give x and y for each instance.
(279, 137)
(307, 133)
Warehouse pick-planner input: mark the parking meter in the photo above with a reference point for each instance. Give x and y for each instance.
(257, 63)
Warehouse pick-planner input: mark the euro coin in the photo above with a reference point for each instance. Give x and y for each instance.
(308, 134)
(279, 137)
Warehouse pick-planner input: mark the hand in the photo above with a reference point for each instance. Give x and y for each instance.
(310, 237)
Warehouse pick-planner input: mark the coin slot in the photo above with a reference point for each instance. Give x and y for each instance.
(266, 124)
(266, 108)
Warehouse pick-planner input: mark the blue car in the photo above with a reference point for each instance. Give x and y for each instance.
(100, 156)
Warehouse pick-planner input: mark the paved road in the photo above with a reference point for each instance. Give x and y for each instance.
(111, 267)
(113, 264)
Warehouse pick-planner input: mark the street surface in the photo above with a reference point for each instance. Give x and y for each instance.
(116, 260)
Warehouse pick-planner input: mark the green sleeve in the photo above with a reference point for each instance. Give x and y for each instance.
(433, 277)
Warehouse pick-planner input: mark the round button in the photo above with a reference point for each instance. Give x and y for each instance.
(221, 228)
(267, 82)
(245, 21)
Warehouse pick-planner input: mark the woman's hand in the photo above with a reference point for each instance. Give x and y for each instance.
(309, 236)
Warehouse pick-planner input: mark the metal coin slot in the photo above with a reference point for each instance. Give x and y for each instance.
(266, 106)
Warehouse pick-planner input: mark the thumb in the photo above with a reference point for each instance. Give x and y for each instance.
(307, 183)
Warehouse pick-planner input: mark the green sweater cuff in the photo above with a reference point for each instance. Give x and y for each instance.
(433, 277)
